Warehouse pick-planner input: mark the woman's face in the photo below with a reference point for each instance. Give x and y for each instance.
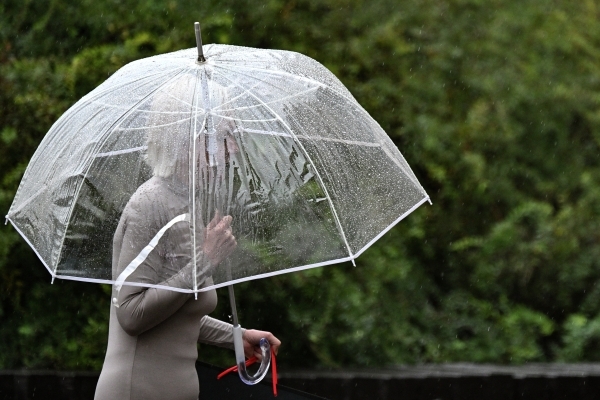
(226, 148)
(168, 138)
(231, 147)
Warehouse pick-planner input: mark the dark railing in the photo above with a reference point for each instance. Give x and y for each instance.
(425, 382)
(454, 382)
(47, 385)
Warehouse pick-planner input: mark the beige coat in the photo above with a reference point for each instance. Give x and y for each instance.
(153, 333)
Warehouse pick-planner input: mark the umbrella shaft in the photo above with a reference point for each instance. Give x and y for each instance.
(233, 309)
(201, 58)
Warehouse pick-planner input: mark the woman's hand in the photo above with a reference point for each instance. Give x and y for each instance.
(252, 338)
(219, 242)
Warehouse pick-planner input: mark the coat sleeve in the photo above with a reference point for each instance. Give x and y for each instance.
(216, 332)
(141, 308)
(168, 263)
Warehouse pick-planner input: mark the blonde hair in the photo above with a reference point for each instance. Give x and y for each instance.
(170, 123)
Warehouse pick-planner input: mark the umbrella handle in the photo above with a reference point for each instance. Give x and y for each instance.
(240, 358)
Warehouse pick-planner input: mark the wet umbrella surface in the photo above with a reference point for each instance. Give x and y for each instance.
(270, 138)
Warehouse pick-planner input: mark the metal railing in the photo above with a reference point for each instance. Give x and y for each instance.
(425, 382)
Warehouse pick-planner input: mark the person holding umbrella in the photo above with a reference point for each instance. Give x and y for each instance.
(153, 332)
(140, 165)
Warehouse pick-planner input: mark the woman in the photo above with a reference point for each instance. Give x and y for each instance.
(153, 332)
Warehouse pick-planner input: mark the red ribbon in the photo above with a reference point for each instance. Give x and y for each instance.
(251, 361)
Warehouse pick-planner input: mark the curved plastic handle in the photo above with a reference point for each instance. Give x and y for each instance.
(240, 358)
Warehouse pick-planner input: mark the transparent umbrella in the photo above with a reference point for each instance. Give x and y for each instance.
(270, 138)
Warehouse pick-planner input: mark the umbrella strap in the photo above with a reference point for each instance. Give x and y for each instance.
(146, 251)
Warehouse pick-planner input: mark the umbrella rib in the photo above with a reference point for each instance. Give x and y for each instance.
(27, 201)
(275, 273)
(136, 284)
(204, 289)
(318, 175)
(180, 100)
(192, 164)
(232, 70)
(291, 96)
(245, 120)
(405, 168)
(119, 152)
(49, 137)
(279, 72)
(386, 230)
(325, 139)
(82, 102)
(109, 89)
(353, 101)
(290, 75)
(99, 145)
(31, 245)
(140, 111)
(229, 101)
(246, 279)
(321, 264)
(141, 128)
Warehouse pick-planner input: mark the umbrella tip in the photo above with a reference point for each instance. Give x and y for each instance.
(201, 58)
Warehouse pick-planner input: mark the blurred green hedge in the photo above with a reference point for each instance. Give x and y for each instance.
(496, 106)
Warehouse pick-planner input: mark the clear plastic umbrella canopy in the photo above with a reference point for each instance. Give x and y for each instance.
(271, 138)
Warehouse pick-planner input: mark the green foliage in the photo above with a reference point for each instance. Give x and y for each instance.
(495, 106)
(581, 339)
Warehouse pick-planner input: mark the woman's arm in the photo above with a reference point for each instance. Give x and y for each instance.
(215, 332)
(219, 333)
(141, 308)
